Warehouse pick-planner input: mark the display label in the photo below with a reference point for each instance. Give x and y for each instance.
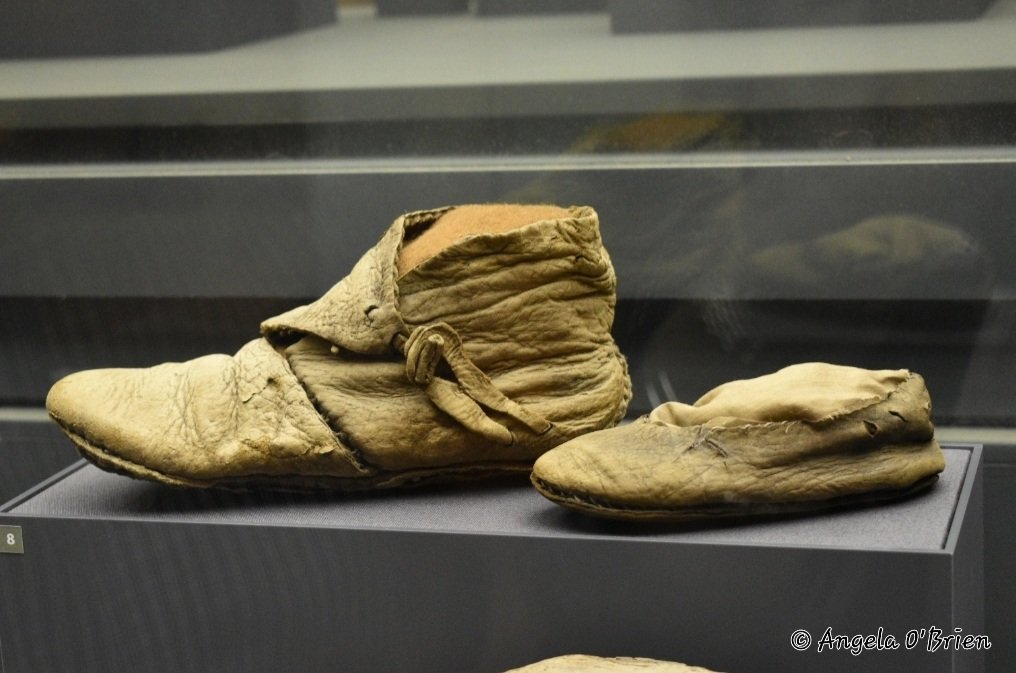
(11, 541)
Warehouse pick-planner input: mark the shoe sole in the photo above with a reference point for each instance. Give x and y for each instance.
(110, 461)
(605, 508)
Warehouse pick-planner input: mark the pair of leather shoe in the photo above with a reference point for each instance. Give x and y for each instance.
(472, 341)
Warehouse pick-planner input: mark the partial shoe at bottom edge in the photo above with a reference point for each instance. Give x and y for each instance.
(583, 663)
(808, 437)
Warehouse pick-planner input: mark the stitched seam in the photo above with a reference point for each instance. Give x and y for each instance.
(344, 439)
(732, 508)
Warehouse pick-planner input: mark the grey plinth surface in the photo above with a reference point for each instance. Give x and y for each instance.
(455, 66)
(646, 16)
(126, 575)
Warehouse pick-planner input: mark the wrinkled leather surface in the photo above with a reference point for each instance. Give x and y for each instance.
(206, 418)
(808, 392)
(327, 393)
(360, 313)
(534, 309)
(582, 663)
(808, 433)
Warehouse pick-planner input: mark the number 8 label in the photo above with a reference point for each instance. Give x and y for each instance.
(10, 540)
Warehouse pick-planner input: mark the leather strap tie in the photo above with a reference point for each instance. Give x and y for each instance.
(429, 345)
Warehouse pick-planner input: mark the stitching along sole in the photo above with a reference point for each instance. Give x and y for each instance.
(605, 508)
(108, 460)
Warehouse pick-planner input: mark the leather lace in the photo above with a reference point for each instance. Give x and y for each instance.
(465, 398)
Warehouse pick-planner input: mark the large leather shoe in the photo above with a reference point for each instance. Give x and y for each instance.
(467, 342)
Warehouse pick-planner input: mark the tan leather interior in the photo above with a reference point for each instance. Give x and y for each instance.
(469, 221)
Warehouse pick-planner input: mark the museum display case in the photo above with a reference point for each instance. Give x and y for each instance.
(795, 184)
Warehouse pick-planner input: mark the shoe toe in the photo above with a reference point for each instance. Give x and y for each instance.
(588, 467)
(118, 418)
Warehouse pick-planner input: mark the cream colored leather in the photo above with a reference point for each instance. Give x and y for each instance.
(582, 663)
(809, 436)
(482, 356)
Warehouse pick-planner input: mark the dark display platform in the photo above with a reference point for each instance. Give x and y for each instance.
(129, 575)
(31, 450)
